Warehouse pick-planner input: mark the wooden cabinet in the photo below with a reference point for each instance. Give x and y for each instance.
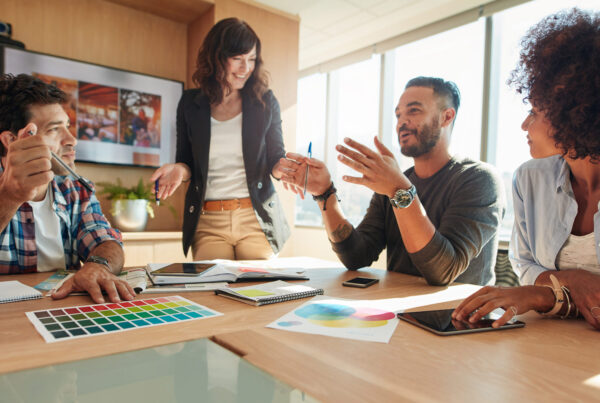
(142, 248)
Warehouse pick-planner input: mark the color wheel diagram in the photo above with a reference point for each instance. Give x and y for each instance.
(340, 315)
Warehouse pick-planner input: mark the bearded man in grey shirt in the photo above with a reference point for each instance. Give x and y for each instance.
(438, 220)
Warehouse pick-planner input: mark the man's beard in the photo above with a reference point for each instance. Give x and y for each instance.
(58, 169)
(427, 138)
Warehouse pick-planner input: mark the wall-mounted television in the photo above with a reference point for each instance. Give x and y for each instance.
(119, 117)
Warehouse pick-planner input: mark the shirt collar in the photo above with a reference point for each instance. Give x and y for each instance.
(563, 180)
(59, 198)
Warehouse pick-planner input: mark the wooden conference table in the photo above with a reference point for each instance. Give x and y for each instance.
(546, 360)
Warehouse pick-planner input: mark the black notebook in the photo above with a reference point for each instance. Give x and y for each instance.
(269, 293)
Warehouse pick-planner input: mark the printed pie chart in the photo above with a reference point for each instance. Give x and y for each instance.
(339, 315)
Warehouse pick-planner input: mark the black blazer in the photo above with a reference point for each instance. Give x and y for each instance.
(262, 145)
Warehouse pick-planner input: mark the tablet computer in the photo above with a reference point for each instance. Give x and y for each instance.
(183, 269)
(440, 322)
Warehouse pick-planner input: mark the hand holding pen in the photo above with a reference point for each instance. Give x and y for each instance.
(27, 167)
(32, 131)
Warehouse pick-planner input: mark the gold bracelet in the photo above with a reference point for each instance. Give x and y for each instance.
(568, 299)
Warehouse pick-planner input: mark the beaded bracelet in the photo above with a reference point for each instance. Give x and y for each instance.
(323, 197)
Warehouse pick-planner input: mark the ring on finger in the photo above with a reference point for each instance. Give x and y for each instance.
(513, 309)
(597, 309)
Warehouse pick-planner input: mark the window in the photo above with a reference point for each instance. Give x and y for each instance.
(353, 104)
(346, 101)
(455, 55)
(356, 95)
(312, 108)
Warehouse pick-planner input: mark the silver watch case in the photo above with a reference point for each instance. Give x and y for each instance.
(403, 197)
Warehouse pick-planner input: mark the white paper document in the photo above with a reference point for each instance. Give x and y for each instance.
(366, 320)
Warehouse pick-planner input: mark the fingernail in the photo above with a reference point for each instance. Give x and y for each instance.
(346, 139)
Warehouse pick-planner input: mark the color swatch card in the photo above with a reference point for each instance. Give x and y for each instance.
(90, 320)
(366, 320)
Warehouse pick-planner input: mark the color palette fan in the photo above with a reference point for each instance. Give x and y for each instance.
(90, 320)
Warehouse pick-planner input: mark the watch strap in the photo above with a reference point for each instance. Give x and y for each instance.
(99, 260)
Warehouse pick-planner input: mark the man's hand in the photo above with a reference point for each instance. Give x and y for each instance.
(380, 171)
(28, 166)
(319, 178)
(94, 278)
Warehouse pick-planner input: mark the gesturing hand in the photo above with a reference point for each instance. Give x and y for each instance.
(379, 169)
(289, 167)
(319, 177)
(170, 177)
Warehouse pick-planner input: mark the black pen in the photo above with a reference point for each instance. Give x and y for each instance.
(68, 168)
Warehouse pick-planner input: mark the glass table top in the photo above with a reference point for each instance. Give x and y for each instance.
(193, 371)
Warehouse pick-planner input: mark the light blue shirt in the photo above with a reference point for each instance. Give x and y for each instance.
(545, 209)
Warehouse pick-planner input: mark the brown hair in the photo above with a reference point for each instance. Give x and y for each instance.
(229, 37)
(17, 94)
(559, 73)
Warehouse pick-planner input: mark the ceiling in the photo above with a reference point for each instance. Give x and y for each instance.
(332, 28)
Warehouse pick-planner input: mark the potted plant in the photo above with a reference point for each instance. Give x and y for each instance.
(130, 205)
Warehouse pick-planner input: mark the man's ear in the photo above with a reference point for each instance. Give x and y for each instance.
(448, 116)
(7, 137)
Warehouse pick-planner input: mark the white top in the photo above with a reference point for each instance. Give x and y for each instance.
(48, 239)
(545, 210)
(578, 253)
(226, 170)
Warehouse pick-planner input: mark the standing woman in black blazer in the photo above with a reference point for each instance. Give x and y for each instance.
(229, 145)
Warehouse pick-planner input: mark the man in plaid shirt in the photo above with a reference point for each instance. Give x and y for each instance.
(48, 221)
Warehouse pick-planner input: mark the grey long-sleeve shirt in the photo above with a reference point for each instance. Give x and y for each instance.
(465, 202)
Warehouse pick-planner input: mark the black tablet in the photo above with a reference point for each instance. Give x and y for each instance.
(183, 269)
(440, 322)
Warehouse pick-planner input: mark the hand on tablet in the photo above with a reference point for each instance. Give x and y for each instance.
(514, 300)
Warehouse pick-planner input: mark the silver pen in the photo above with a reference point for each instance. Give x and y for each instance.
(74, 174)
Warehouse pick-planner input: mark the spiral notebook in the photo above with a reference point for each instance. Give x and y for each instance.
(12, 291)
(269, 293)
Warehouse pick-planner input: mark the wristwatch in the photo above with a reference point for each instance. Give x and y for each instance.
(403, 197)
(98, 260)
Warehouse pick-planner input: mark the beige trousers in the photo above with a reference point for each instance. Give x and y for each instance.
(233, 234)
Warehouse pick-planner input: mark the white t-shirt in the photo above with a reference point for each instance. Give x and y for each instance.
(48, 239)
(226, 171)
(579, 252)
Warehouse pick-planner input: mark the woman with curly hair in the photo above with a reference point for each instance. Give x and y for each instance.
(555, 246)
(229, 144)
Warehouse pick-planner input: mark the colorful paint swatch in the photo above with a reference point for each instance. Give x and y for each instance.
(83, 321)
(367, 320)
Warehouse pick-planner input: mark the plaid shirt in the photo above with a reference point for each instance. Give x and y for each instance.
(82, 226)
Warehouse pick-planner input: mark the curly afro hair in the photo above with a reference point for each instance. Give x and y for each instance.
(559, 73)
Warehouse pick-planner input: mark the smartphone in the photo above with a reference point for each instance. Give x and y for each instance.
(360, 282)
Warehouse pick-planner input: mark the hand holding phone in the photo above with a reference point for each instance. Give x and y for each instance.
(360, 282)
